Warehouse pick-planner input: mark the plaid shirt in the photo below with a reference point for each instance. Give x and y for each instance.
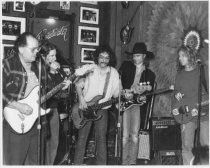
(15, 79)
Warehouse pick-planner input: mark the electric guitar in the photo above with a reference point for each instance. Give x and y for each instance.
(185, 110)
(22, 123)
(81, 117)
(127, 30)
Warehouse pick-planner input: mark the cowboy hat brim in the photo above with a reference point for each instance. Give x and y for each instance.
(149, 55)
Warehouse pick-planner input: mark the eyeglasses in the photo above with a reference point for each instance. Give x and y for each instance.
(34, 49)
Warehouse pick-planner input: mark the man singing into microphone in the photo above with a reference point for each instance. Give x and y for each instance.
(55, 75)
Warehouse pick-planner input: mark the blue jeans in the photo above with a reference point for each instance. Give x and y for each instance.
(100, 135)
(52, 140)
(20, 147)
(131, 126)
(188, 133)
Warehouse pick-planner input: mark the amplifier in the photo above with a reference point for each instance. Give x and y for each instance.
(163, 121)
(169, 157)
(166, 134)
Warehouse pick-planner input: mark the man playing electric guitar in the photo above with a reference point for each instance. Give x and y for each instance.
(20, 102)
(20, 75)
(103, 80)
(136, 78)
(185, 100)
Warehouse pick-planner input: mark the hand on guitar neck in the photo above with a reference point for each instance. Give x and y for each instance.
(137, 89)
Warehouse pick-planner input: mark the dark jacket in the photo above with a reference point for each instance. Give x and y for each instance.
(127, 71)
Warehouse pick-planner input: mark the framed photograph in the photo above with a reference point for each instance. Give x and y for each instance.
(88, 35)
(65, 5)
(5, 7)
(87, 55)
(8, 49)
(19, 6)
(89, 15)
(12, 27)
(90, 2)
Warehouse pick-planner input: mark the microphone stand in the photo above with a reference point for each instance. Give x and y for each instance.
(118, 138)
(70, 140)
(197, 137)
(39, 127)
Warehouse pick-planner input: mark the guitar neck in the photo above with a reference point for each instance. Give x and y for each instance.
(51, 93)
(159, 91)
(135, 12)
(55, 90)
(107, 103)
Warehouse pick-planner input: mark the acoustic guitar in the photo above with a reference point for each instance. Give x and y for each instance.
(127, 30)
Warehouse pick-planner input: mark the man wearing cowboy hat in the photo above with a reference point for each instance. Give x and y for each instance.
(136, 78)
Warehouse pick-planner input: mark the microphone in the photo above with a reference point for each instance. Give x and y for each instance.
(58, 68)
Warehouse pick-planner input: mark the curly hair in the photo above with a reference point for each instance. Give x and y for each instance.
(108, 50)
(190, 53)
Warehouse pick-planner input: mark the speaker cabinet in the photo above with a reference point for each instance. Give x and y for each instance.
(165, 134)
(168, 157)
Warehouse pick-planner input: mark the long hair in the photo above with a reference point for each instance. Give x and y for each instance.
(46, 48)
(190, 54)
(105, 48)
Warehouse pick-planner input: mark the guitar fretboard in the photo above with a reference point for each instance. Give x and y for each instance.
(44, 98)
(107, 103)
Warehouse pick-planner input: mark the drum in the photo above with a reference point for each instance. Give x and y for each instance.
(144, 146)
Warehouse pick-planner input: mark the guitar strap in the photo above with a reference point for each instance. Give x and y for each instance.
(106, 83)
(203, 78)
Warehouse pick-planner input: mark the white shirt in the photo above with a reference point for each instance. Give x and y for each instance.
(93, 84)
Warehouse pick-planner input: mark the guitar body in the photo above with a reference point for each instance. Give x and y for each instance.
(81, 117)
(185, 106)
(126, 33)
(126, 104)
(12, 116)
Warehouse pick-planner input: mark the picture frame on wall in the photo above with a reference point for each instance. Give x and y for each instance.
(65, 5)
(88, 35)
(19, 6)
(5, 7)
(12, 27)
(7, 49)
(87, 55)
(90, 2)
(89, 15)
